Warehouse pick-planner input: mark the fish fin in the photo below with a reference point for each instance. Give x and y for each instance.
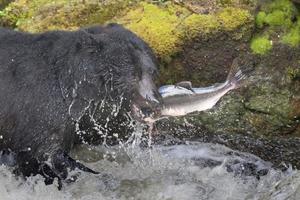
(238, 73)
(185, 84)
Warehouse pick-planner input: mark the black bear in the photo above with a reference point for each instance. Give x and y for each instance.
(58, 87)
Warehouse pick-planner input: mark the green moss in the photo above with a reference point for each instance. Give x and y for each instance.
(157, 26)
(43, 15)
(200, 24)
(292, 38)
(167, 27)
(11, 14)
(164, 26)
(261, 45)
(232, 18)
(260, 19)
(277, 13)
(228, 19)
(278, 18)
(284, 5)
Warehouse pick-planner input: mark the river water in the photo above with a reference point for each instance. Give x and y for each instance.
(187, 171)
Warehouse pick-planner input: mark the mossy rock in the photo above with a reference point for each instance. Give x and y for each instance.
(277, 13)
(213, 6)
(158, 26)
(269, 108)
(277, 21)
(45, 15)
(266, 114)
(226, 116)
(167, 28)
(265, 99)
(268, 105)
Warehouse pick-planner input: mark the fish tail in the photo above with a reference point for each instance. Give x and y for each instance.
(237, 75)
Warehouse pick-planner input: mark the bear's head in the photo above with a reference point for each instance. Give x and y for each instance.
(114, 74)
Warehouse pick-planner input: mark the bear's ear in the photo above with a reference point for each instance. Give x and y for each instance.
(99, 39)
(92, 43)
(94, 29)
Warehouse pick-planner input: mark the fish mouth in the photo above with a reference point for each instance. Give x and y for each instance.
(145, 110)
(146, 114)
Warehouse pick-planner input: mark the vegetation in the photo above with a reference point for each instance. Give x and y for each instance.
(167, 27)
(292, 38)
(43, 15)
(163, 24)
(157, 25)
(233, 18)
(261, 45)
(279, 18)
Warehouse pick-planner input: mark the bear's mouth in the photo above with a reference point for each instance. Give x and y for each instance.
(147, 102)
(145, 110)
(145, 114)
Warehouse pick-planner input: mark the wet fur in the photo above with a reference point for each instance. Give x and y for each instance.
(52, 81)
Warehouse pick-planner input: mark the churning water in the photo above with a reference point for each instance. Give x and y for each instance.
(180, 172)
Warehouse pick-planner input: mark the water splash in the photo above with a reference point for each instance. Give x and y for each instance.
(188, 171)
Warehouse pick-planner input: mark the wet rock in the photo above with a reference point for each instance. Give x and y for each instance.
(268, 103)
(281, 151)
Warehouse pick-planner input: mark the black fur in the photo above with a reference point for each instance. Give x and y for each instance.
(59, 85)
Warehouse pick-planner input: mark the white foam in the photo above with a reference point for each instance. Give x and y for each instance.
(160, 173)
